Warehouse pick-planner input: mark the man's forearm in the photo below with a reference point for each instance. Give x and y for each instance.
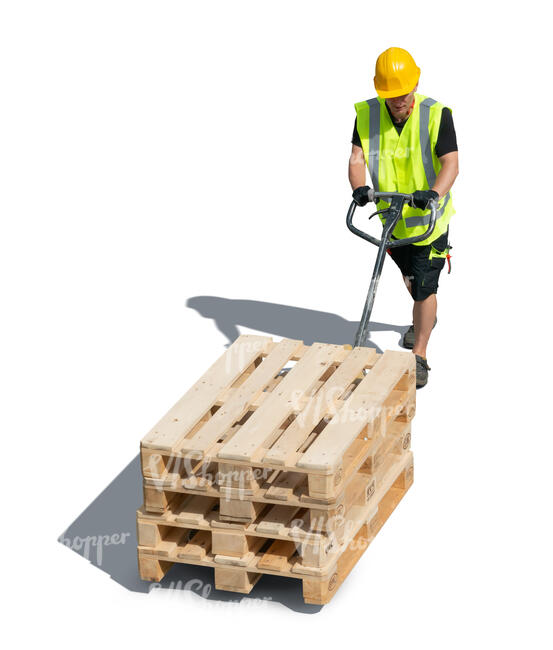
(356, 170)
(356, 173)
(446, 176)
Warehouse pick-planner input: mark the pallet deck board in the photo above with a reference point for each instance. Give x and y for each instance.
(197, 548)
(189, 410)
(362, 409)
(281, 403)
(237, 406)
(297, 432)
(276, 520)
(277, 557)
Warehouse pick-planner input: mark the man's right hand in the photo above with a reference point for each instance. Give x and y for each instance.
(361, 195)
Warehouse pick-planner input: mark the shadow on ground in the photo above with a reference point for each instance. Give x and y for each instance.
(105, 533)
(308, 325)
(113, 512)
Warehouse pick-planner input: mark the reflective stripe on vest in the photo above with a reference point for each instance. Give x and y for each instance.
(426, 151)
(424, 137)
(374, 141)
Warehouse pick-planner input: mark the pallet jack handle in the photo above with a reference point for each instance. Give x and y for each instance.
(391, 215)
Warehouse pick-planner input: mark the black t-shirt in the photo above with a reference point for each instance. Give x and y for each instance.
(447, 140)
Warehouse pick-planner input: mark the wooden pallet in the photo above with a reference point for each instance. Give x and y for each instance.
(274, 487)
(241, 558)
(316, 424)
(281, 459)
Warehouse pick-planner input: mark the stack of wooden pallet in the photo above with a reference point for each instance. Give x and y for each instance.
(283, 458)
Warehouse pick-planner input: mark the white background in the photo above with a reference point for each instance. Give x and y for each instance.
(152, 152)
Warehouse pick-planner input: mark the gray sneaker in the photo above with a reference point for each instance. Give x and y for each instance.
(409, 337)
(422, 371)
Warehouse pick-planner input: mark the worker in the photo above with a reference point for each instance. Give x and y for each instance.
(408, 143)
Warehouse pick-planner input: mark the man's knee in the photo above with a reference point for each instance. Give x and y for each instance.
(423, 294)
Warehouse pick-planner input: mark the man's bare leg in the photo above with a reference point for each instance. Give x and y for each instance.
(424, 317)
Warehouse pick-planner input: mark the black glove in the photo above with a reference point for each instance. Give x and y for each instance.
(361, 195)
(421, 198)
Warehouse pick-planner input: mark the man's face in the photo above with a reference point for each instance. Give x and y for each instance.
(399, 106)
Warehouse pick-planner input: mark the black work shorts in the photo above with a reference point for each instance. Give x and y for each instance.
(415, 264)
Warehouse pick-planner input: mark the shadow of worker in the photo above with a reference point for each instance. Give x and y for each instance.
(307, 325)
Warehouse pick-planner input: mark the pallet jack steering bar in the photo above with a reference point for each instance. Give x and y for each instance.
(391, 216)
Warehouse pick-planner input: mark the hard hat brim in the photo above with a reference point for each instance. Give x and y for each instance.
(385, 94)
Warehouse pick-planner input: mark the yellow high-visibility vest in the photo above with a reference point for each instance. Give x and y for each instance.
(404, 162)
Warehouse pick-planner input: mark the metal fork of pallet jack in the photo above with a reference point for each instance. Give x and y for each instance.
(392, 215)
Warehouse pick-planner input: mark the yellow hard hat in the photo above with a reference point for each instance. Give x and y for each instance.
(396, 73)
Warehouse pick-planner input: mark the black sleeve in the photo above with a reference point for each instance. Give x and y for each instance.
(355, 139)
(447, 139)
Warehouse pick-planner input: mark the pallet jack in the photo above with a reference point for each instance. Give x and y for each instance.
(391, 216)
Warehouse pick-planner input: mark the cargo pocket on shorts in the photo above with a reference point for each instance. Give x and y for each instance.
(438, 253)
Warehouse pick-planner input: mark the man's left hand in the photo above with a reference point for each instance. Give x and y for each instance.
(422, 198)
